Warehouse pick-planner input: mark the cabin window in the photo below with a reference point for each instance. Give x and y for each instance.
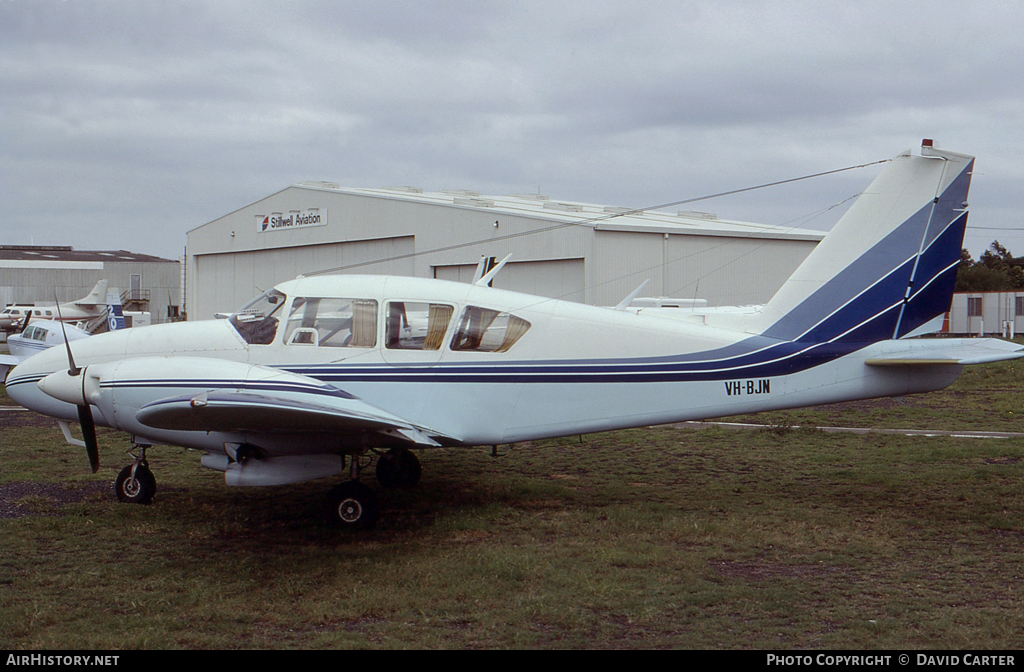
(486, 330)
(15, 312)
(332, 323)
(1018, 307)
(256, 322)
(413, 325)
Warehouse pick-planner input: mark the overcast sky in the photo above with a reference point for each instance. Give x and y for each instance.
(125, 124)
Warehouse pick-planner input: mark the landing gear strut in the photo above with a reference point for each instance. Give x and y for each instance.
(136, 483)
(353, 505)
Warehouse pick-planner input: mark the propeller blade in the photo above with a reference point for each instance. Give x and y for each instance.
(84, 411)
(73, 370)
(89, 434)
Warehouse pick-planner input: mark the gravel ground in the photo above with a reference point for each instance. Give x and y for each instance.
(9, 417)
(25, 498)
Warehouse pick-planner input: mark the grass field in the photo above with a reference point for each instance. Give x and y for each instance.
(664, 537)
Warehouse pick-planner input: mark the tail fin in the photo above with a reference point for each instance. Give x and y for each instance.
(96, 297)
(115, 313)
(889, 266)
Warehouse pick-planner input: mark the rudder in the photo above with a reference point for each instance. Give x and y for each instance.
(888, 266)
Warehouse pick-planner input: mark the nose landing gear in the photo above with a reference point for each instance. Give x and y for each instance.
(136, 483)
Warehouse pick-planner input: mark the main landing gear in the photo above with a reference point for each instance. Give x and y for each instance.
(136, 483)
(398, 468)
(354, 505)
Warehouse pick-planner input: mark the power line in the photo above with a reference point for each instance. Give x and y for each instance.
(997, 228)
(591, 220)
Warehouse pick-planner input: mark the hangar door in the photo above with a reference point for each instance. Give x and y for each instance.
(225, 282)
(558, 278)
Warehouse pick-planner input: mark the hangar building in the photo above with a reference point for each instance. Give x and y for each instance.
(33, 273)
(588, 253)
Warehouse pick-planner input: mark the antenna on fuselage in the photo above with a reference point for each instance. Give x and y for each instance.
(486, 279)
(622, 305)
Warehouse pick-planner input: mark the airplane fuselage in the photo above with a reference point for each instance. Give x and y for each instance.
(569, 372)
(13, 317)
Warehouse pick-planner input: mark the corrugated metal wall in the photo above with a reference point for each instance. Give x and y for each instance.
(231, 280)
(726, 271)
(560, 279)
(588, 262)
(30, 285)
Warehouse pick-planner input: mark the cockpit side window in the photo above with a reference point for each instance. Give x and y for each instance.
(486, 330)
(412, 325)
(34, 334)
(332, 322)
(256, 321)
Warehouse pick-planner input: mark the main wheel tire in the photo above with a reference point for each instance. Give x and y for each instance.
(354, 506)
(398, 469)
(138, 490)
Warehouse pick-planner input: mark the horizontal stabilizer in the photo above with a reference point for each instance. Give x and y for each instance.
(945, 352)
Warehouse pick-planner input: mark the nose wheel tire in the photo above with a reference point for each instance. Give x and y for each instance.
(135, 484)
(354, 506)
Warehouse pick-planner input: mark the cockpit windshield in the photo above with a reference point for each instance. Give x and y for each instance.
(256, 321)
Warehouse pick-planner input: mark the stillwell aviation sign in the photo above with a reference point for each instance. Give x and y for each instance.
(295, 219)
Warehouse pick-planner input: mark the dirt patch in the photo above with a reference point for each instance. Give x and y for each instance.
(866, 405)
(26, 498)
(13, 416)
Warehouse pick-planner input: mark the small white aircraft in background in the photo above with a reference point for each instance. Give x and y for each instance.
(320, 371)
(41, 335)
(87, 308)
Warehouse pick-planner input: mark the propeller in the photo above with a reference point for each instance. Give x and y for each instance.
(84, 410)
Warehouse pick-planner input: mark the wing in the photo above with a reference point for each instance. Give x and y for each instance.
(230, 411)
(944, 352)
(7, 362)
(201, 394)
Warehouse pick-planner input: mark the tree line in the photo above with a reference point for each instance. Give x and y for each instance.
(997, 270)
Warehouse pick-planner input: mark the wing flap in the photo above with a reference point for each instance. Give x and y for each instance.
(236, 411)
(946, 352)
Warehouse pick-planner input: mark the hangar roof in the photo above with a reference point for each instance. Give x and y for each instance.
(68, 253)
(586, 214)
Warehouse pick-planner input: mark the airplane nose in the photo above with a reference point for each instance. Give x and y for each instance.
(64, 386)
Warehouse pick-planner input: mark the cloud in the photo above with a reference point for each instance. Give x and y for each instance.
(126, 124)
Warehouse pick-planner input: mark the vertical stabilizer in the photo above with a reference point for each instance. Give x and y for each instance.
(889, 266)
(115, 313)
(97, 297)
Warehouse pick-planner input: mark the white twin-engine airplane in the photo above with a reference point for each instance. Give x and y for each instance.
(323, 370)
